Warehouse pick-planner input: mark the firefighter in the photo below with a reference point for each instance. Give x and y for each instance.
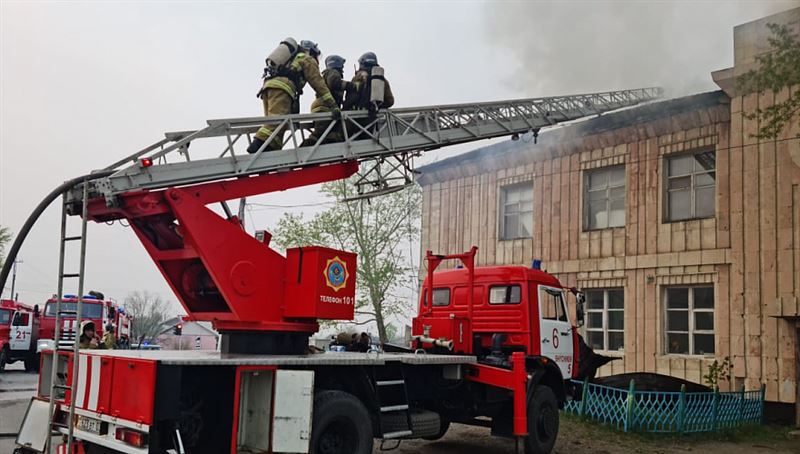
(89, 338)
(359, 93)
(281, 92)
(108, 341)
(334, 79)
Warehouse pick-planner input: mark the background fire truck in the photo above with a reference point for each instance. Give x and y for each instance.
(19, 327)
(95, 308)
(493, 346)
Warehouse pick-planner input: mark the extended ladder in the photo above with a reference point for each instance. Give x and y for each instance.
(58, 385)
(391, 137)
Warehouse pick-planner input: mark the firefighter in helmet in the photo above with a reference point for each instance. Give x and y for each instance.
(109, 341)
(359, 92)
(280, 93)
(89, 338)
(334, 79)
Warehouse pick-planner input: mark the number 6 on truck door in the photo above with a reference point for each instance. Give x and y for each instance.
(555, 329)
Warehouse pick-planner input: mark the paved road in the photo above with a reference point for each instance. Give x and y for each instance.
(16, 389)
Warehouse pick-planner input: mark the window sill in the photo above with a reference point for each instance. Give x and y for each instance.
(600, 229)
(611, 353)
(667, 221)
(687, 356)
(500, 240)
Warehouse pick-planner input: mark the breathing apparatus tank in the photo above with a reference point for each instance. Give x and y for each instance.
(281, 56)
(377, 84)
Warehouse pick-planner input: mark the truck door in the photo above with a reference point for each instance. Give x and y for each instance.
(21, 331)
(555, 329)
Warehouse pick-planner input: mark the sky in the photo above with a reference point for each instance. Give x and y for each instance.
(83, 84)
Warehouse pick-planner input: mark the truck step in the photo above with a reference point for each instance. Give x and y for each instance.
(390, 382)
(391, 408)
(398, 434)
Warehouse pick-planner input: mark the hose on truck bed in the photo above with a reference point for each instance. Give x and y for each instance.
(34, 216)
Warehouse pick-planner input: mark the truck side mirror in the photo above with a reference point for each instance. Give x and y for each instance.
(580, 302)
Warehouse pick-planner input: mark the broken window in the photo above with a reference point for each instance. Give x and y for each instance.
(604, 198)
(690, 186)
(690, 320)
(605, 319)
(516, 211)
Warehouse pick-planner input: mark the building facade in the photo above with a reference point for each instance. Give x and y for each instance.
(681, 226)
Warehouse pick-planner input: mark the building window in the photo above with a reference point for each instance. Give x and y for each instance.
(516, 213)
(690, 320)
(505, 294)
(690, 186)
(605, 319)
(604, 198)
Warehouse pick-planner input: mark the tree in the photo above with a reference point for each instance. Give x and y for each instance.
(376, 229)
(5, 237)
(149, 313)
(777, 70)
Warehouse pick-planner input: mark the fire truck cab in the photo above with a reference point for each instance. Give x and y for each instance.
(19, 330)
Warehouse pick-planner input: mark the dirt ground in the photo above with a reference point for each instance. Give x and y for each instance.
(576, 437)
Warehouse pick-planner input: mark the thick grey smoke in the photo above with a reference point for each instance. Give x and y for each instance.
(571, 46)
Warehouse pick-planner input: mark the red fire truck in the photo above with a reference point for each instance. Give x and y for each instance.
(492, 346)
(95, 308)
(19, 328)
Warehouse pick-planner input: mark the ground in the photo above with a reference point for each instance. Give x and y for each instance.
(575, 437)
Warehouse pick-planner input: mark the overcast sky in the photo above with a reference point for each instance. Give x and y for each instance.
(83, 84)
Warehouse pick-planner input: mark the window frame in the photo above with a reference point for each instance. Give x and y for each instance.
(525, 187)
(562, 314)
(608, 199)
(690, 310)
(507, 299)
(435, 291)
(693, 187)
(604, 311)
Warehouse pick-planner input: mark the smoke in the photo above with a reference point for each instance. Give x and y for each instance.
(556, 48)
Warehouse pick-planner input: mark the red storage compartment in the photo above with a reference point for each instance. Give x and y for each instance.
(106, 381)
(457, 329)
(320, 283)
(134, 389)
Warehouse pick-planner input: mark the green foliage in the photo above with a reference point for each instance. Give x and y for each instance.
(777, 70)
(5, 237)
(718, 372)
(377, 229)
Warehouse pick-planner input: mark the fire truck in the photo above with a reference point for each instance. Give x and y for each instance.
(94, 308)
(19, 328)
(492, 346)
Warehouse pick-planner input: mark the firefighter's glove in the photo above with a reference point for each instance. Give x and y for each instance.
(336, 114)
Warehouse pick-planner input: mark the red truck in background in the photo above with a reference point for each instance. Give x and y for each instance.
(19, 328)
(95, 308)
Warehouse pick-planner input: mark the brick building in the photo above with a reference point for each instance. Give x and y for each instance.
(684, 229)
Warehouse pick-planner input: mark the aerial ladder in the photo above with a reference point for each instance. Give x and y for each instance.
(214, 267)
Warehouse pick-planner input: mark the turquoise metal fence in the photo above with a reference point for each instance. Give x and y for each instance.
(677, 412)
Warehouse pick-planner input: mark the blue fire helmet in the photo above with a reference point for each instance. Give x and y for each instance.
(334, 62)
(368, 60)
(311, 47)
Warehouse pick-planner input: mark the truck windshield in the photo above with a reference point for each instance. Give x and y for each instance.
(89, 310)
(5, 316)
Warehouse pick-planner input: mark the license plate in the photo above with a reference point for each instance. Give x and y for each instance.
(90, 425)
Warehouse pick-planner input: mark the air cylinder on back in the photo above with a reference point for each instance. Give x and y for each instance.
(282, 54)
(377, 85)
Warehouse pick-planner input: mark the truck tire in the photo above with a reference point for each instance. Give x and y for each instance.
(424, 424)
(542, 421)
(3, 359)
(341, 425)
(32, 363)
(444, 425)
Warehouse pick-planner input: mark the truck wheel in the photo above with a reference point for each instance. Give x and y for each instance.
(424, 424)
(3, 359)
(32, 364)
(444, 425)
(542, 421)
(341, 425)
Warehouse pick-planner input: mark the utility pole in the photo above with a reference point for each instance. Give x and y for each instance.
(14, 277)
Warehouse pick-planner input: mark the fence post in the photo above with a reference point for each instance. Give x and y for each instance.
(740, 417)
(761, 412)
(630, 412)
(715, 408)
(682, 410)
(584, 396)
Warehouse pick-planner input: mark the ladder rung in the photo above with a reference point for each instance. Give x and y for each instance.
(390, 382)
(67, 275)
(72, 238)
(398, 434)
(58, 424)
(391, 408)
(62, 386)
